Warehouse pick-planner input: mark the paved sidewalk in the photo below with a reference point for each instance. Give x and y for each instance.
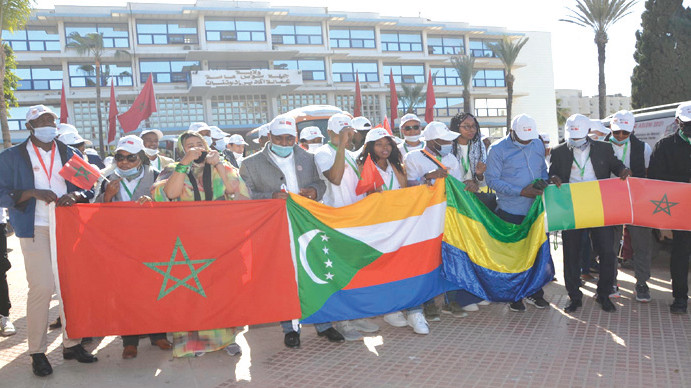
(641, 345)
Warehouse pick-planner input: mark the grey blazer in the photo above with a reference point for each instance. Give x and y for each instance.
(263, 177)
(144, 187)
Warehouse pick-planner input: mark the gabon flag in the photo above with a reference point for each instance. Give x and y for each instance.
(142, 107)
(370, 178)
(199, 266)
(80, 173)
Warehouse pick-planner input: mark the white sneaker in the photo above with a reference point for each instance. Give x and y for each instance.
(6, 327)
(484, 303)
(365, 325)
(471, 307)
(348, 331)
(396, 319)
(418, 323)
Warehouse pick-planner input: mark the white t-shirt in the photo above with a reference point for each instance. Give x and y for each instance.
(3, 215)
(57, 183)
(583, 159)
(343, 194)
(131, 186)
(417, 164)
(626, 159)
(390, 181)
(405, 148)
(287, 167)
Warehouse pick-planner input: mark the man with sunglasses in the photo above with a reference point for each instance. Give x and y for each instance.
(635, 154)
(410, 129)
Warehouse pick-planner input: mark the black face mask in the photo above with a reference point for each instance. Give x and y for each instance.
(201, 159)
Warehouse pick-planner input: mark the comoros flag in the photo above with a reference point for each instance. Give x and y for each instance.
(379, 255)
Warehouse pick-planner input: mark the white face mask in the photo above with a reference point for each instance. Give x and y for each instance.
(46, 134)
(313, 147)
(577, 143)
(151, 152)
(220, 145)
(412, 138)
(208, 140)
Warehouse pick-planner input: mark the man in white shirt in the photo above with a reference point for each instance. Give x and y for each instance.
(410, 129)
(311, 139)
(362, 126)
(151, 137)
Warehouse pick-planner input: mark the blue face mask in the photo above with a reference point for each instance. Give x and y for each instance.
(127, 173)
(282, 151)
(577, 143)
(615, 141)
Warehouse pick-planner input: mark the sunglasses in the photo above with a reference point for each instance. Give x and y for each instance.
(620, 133)
(467, 127)
(411, 127)
(130, 157)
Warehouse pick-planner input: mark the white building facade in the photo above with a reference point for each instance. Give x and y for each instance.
(573, 101)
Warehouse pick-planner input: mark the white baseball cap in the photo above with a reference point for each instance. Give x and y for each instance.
(596, 125)
(198, 126)
(283, 125)
(64, 128)
(525, 127)
(622, 121)
(157, 132)
(683, 112)
(410, 117)
(310, 133)
(71, 138)
(235, 139)
(262, 132)
(130, 143)
(37, 111)
(361, 123)
(545, 137)
(577, 126)
(376, 134)
(439, 130)
(339, 121)
(217, 133)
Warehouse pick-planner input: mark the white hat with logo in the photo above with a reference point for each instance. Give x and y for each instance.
(525, 127)
(622, 121)
(439, 130)
(130, 143)
(235, 139)
(409, 117)
(262, 132)
(198, 126)
(545, 137)
(339, 121)
(310, 133)
(217, 133)
(362, 123)
(596, 125)
(37, 111)
(64, 128)
(156, 132)
(577, 127)
(376, 134)
(283, 125)
(71, 138)
(683, 112)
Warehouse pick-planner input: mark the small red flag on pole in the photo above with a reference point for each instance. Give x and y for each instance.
(394, 98)
(80, 173)
(112, 114)
(370, 178)
(63, 107)
(430, 101)
(144, 105)
(357, 111)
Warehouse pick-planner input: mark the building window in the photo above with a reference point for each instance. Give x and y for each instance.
(39, 77)
(167, 71)
(345, 37)
(448, 106)
(238, 65)
(86, 116)
(370, 106)
(445, 45)
(398, 41)
(235, 30)
(489, 79)
(245, 110)
(114, 35)
(296, 33)
(446, 76)
(84, 75)
(479, 48)
(490, 107)
(171, 32)
(288, 102)
(312, 69)
(177, 112)
(406, 74)
(33, 38)
(345, 71)
(493, 132)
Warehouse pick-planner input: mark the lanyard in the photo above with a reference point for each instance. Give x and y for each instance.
(582, 169)
(133, 191)
(390, 181)
(347, 159)
(626, 148)
(49, 173)
(686, 138)
(158, 158)
(405, 145)
(435, 159)
(466, 161)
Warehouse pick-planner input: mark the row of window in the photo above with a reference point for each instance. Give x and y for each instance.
(156, 32)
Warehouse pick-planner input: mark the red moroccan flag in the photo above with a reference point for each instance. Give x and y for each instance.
(394, 98)
(660, 204)
(199, 266)
(357, 111)
(430, 101)
(144, 105)
(80, 173)
(112, 114)
(370, 178)
(63, 107)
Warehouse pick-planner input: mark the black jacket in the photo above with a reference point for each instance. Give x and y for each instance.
(601, 156)
(671, 160)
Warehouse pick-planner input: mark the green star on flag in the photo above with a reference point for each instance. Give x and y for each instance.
(663, 205)
(83, 172)
(194, 272)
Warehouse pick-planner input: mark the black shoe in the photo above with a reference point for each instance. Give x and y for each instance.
(332, 335)
(537, 301)
(77, 352)
(87, 340)
(40, 365)
(517, 306)
(292, 339)
(573, 305)
(606, 304)
(678, 306)
(56, 324)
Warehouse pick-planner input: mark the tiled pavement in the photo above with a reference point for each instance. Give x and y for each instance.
(641, 345)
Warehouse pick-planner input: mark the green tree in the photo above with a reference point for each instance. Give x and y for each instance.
(411, 97)
(507, 51)
(13, 16)
(562, 114)
(465, 67)
(661, 73)
(599, 15)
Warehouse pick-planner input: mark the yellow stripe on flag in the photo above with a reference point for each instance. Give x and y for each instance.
(472, 237)
(377, 208)
(587, 204)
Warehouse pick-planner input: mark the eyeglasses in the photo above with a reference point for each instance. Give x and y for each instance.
(467, 127)
(130, 157)
(411, 127)
(620, 133)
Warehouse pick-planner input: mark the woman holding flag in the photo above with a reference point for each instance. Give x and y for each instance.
(380, 154)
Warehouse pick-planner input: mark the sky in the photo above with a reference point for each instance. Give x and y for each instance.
(574, 54)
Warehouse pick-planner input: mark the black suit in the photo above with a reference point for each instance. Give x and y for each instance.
(604, 164)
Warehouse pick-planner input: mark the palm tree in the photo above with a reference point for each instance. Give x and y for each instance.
(92, 45)
(412, 96)
(562, 114)
(90, 72)
(507, 51)
(13, 16)
(465, 67)
(599, 15)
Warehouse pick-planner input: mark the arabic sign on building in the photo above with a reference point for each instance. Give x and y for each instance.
(253, 78)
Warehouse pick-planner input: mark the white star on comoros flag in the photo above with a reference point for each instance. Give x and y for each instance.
(328, 263)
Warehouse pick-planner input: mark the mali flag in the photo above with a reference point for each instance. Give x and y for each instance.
(126, 268)
(376, 256)
(491, 258)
